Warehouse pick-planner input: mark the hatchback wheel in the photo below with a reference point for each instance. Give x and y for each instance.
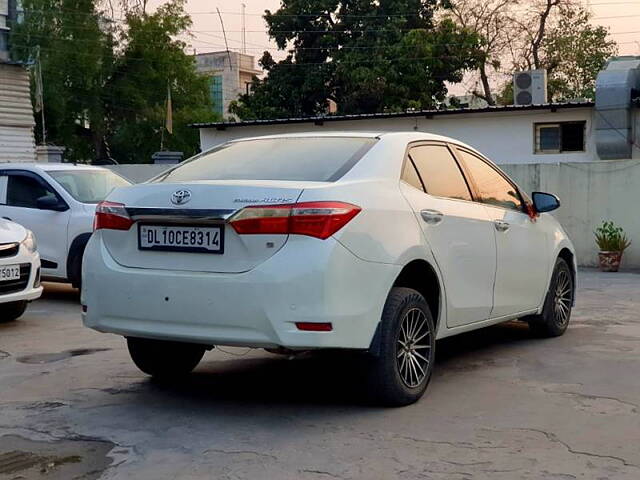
(12, 310)
(165, 359)
(400, 373)
(556, 313)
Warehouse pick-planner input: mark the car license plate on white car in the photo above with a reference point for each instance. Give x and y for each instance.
(9, 272)
(181, 238)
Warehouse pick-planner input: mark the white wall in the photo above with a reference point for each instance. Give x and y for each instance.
(506, 137)
(138, 173)
(589, 193)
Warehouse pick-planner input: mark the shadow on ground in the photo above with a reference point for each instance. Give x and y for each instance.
(330, 377)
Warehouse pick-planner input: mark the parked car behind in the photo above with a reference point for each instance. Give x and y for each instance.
(378, 243)
(57, 202)
(19, 270)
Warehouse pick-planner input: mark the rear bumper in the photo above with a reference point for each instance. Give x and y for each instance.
(308, 280)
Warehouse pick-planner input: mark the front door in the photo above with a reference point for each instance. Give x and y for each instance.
(522, 272)
(19, 193)
(458, 231)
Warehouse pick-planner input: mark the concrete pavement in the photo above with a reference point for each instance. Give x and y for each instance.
(501, 405)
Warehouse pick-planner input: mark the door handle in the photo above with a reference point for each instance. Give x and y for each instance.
(432, 217)
(501, 226)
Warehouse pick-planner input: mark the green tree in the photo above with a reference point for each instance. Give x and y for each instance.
(76, 50)
(105, 83)
(152, 61)
(367, 56)
(575, 51)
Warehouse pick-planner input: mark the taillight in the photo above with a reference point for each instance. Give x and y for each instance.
(314, 219)
(111, 215)
(314, 327)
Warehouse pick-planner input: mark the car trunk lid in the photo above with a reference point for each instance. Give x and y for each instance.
(209, 204)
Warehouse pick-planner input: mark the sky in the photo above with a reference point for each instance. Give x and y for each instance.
(621, 17)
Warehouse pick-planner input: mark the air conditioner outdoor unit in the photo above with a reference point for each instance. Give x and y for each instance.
(530, 87)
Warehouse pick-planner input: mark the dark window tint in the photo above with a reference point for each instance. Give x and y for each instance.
(24, 191)
(560, 137)
(320, 159)
(410, 175)
(439, 172)
(493, 188)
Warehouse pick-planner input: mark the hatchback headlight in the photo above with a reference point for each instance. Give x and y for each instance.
(29, 242)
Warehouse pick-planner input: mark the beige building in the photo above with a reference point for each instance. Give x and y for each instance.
(231, 74)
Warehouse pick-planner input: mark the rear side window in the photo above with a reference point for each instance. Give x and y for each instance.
(439, 172)
(318, 159)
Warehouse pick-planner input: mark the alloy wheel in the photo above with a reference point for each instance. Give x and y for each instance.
(413, 348)
(563, 298)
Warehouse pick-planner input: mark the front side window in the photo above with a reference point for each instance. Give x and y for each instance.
(439, 172)
(315, 159)
(88, 186)
(493, 188)
(24, 191)
(559, 137)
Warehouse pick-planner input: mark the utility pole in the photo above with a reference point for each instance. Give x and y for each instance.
(244, 29)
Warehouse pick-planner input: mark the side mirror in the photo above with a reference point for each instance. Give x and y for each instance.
(545, 202)
(48, 202)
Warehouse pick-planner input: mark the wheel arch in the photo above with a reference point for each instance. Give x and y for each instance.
(76, 250)
(420, 275)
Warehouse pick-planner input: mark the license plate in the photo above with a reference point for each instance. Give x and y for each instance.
(174, 238)
(10, 272)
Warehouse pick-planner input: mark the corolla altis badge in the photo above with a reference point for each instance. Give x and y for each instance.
(180, 197)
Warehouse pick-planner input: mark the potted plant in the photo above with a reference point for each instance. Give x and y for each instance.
(611, 241)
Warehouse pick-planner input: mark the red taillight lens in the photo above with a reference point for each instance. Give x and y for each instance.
(314, 219)
(111, 215)
(314, 326)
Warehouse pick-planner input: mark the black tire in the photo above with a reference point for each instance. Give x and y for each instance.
(393, 382)
(12, 310)
(75, 273)
(556, 312)
(164, 359)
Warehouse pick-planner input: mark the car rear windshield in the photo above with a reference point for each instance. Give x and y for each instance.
(88, 186)
(319, 159)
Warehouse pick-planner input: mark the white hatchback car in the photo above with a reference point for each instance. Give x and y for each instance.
(19, 270)
(374, 242)
(57, 201)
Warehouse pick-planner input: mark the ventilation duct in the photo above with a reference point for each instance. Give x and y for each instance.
(616, 85)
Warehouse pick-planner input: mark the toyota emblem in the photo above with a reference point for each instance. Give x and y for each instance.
(180, 197)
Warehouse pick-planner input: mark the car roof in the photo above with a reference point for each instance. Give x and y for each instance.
(48, 167)
(409, 136)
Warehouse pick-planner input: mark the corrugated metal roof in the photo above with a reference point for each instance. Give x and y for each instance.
(407, 114)
(17, 142)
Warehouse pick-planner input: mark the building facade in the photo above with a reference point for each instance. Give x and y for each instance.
(17, 142)
(230, 75)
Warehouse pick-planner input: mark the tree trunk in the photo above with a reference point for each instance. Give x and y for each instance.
(484, 78)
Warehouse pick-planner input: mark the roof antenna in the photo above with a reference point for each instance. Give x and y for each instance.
(225, 38)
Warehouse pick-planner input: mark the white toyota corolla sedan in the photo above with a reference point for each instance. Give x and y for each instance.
(19, 270)
(377, 242)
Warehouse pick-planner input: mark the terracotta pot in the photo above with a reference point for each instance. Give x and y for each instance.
(610, 261)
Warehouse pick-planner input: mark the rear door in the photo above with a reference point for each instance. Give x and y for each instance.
(458, 230)
(522, 247)
(19, 202)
